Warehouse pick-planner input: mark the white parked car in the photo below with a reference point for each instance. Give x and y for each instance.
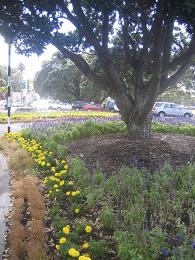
(111, 106)
(162, 109)
(59, 105)
(3, 103)
(40, 105)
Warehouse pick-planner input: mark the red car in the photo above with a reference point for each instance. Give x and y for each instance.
(93, 107)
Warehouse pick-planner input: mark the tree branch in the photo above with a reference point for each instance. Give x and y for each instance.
(167, 42)
(171, 81)
(87, 30)
(182, 58)
(156, 52)
(105, 23)
(82, 65)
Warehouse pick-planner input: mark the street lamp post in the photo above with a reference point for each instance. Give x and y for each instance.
(9, 90)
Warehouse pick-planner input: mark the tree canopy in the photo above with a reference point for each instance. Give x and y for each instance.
(143, 47)
(61, 80)
(17, 78)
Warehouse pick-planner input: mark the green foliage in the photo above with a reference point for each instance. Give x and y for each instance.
(54, 210)
(62, 150)
(58, 223)
(99, 176)
(146, 210)
(90, 199)
(98, 248)
(186, 129)
(139, 246)
(62, 80)
(107, 217)
(80, 173)
(178, 96)
(17, 78)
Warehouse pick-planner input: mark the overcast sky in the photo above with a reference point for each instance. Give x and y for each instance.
(32, 64)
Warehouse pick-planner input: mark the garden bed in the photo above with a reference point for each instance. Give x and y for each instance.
(111, 152)
(107, 210)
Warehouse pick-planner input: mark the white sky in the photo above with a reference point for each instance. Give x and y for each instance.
(32, 64)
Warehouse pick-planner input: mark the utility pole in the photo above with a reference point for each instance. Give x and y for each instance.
(9, 90)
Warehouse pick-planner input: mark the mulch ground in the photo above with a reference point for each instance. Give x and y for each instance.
(111, 152)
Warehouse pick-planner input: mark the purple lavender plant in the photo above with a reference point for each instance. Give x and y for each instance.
(164, 252)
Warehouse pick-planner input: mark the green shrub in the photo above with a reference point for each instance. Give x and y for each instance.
(98, 249)
(107, 217)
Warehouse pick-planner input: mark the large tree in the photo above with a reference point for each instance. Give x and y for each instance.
(17, 79)
(143, 46)
(60, 79)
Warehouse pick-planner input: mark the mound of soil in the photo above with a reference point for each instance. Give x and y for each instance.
(113, 151)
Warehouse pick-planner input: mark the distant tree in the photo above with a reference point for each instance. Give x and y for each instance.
(188, 81)
(178, 96)
(61, 79)
(17, 82)
(143, 47)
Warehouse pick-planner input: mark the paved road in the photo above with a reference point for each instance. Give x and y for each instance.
(14, 128)
(4, 199)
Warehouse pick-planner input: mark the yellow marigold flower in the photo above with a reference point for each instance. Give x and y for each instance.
(61, 183)
(62, 240)
(85, 245)
(77, 211)
(73, 252)
(63, 171)
(63, 161)
(50, 192)
(45, 181)
(53, 169)
(66, 229)
(43, 164)
(73, 193)
(58, 247)
(88, 229)
(56, 174)
(66, 166)
(67, 193)
(52, 178)
(56, 186)
(71, 183)
(78, 192)
(48, 164)
(57, 190)
(84, 257)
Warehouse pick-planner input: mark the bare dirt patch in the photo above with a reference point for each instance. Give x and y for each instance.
(113, 151)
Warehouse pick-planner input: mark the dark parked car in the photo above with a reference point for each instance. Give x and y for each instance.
(78, 105)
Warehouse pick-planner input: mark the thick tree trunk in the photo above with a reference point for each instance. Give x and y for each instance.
(139, 126)
(137, 116)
